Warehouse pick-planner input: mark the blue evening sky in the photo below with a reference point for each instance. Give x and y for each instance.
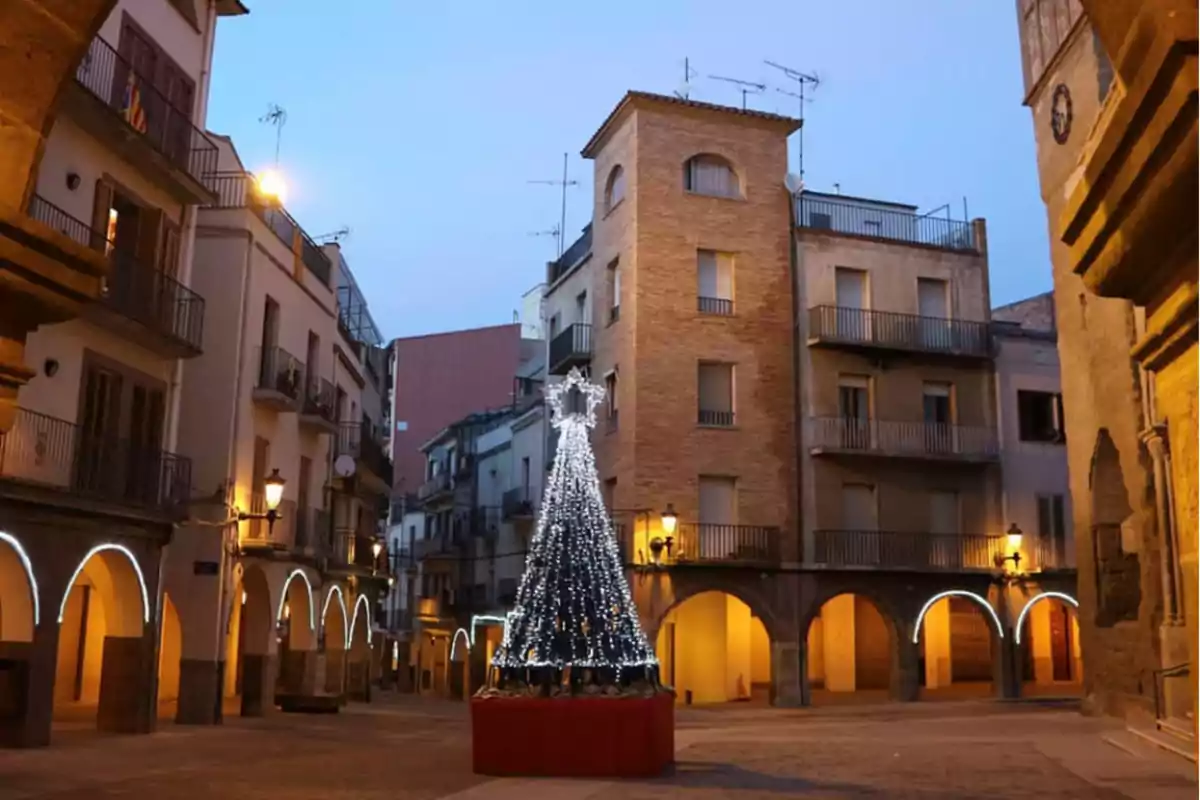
(419, 124)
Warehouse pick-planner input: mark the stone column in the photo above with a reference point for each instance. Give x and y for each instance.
(335, 672)
(199, 692)
(906, 673)
(788, 685)
(28, 669)
(127, 685)
(258, 684)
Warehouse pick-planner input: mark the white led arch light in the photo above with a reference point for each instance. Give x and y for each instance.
(312, 616)
(1066, 598)
(361, 601)
(956, 593)
(137, 569)
(342, 603)
(23, 557)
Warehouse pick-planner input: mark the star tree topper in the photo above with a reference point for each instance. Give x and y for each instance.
(556, 395)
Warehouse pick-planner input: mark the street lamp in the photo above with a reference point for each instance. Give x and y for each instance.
(669, 522)
(271, 186)
(1014, 535)
(273, 496)
(669, 519)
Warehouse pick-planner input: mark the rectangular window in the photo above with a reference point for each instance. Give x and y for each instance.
(718, 500)
(938, 407)
(859, 509)
(583, 312)
(714, 273)
(1052, 530)
(1040, 416)
(715, 383)
(944, 513)
(610, 493)
(610, 399)
(614, 291)
(854, 411)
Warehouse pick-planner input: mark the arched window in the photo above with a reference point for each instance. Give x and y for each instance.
(614, 191)
(710, 175)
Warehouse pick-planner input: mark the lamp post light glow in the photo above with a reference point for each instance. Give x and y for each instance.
(271, 186)
(1013, 538)
(669, 520)
(272, 497)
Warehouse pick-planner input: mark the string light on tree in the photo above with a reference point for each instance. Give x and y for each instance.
(573, 606)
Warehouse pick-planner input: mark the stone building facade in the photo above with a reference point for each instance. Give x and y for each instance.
(1111, 88)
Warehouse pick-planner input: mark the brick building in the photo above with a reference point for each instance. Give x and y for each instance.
(1112, 91)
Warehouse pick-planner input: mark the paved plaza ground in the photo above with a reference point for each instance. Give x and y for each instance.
(402, 747)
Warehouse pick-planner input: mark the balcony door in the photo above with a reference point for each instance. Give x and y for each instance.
(852, 320)
(944, 526)
(939, 428)
(121, 418)
(716, 533)
(860, 522)
(854, 412)
(933, 305)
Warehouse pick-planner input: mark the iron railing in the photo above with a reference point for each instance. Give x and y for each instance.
(922, 439)
(860, 326)
(313, 527)
(570, 347)
(280, 371)
(134, 290)
(47, 451)
(135, 98)
(729, 544)
(240, 190)
(518, 502)
(360, 442)
(862, 218)
(714, 419)
(716, 306)
(319, 399)
(904, 550)
(434, 486)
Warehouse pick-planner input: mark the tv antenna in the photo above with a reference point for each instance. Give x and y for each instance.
(334, 237)
(684, 91)
(277, 116)
(803, 79)
(747, 87)
(564, 183)
(556, 232)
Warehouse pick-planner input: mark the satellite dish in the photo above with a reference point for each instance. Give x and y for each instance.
(793, 183)
(343, 466)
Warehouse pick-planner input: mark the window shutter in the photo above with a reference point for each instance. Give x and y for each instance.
(101, 205)
(150, 225)
(169, 262)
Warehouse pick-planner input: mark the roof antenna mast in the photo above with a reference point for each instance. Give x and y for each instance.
(747, 87)
(277, 116)
(803, 79)
(564, 183)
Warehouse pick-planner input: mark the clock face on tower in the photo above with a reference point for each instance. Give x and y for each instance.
(1060, 113)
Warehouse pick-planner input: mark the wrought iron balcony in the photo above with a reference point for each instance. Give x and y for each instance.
(434, 488)
(518, 503)
(360, 442)
(135, 292)
(714, 419)
(147, 116)
(887, 550)
(862, 329)
(715, 306)
(353, 550)
(280, 383)
(571, 348)
(313, 529)
(44, 451)
(925, 440)
(318, 410)
(707, 543)
(240, 190)
(874, 220)
(283, 535)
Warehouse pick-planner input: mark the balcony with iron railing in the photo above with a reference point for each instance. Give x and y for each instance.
(259, 534)
(863, 218)
(715, 306)
(352, 549)
(134, 297)
(240, 190)
(436, 488)
(921, 440)
(318, 410)
(359, 441)
(708, 543)
(844, 549)
(571, 348)
(135, 117)
(713, 418)
(279, 384)
(45, 452)
(519, 503)
(863, 330)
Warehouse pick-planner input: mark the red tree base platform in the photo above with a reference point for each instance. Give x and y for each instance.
(575, 737)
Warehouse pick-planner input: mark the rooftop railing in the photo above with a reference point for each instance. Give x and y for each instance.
(862, 218)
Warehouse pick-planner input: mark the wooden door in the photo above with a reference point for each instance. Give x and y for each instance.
(134, 95)
(145, 466)
(178, 92)
(1060, 640)
(97, 469)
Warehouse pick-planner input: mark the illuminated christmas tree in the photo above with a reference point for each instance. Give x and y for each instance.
(574, 621)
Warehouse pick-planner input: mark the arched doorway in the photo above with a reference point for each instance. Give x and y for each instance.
(334, 626)
(170, 651)
(358, 670)
(1047, 640)
(248, 642)
(102, 619)
(295, 625)
(957, 635)
(460, 664)
(851, 649)
(712, 648)
(20, 610)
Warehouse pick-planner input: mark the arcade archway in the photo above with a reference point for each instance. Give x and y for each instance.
(1047, 641)
(358, 670)
(958, 637)
(102, 619)
(248, 642)
(170, 651)
(335, 625)
(295, 624)
(712, 648)
(851, 646)
(20, 606)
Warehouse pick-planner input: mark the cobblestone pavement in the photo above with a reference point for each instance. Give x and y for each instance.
(402, 747)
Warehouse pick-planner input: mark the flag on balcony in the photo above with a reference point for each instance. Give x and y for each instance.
(133, 110)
